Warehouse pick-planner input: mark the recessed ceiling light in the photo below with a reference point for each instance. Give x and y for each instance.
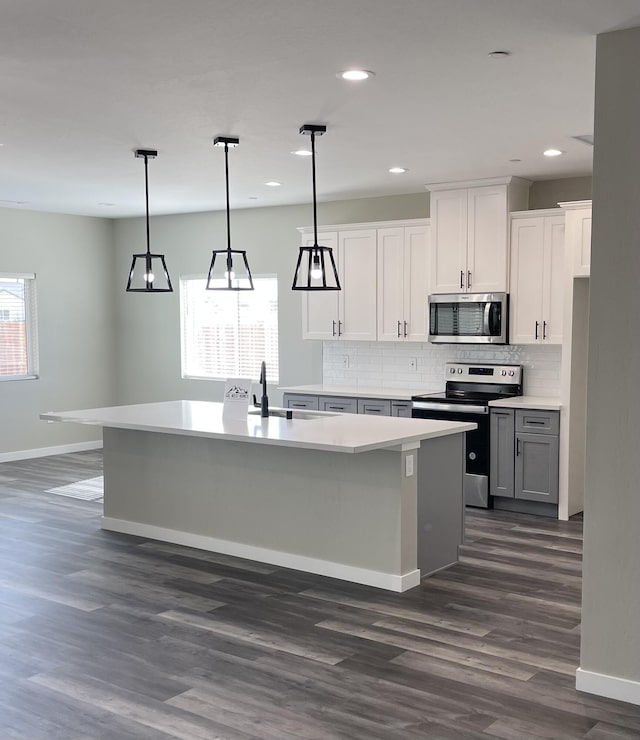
(106, 204)
(552, 152)
(273, 184)
(253, 197)
(302, 152)
(499, 54)
(355, 75)
(397, 170)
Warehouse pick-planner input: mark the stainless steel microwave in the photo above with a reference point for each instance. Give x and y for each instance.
(469, 318)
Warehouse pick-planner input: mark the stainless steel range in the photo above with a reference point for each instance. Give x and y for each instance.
(468, 389)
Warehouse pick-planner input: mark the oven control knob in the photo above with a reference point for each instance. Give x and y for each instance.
(511, 372)
(459, 369)
(503, 372)
(452, 369)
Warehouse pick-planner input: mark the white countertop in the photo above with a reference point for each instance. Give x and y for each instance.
(326, 432)
(394, 394)
(529, 402)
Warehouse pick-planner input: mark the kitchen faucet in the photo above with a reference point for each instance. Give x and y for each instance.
(264, 401)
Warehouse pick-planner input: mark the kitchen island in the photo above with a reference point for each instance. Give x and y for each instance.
(370, 500)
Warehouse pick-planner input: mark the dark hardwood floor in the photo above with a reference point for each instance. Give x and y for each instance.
(110, 636)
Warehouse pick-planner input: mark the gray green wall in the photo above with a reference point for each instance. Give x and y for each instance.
(611, 589)
(72, 258)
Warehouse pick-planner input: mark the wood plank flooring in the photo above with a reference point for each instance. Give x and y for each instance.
(105, 635)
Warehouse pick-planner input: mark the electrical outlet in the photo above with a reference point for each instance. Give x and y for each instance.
(408, 466)
(345, 361)
(413, 363)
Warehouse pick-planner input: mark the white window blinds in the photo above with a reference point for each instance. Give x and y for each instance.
(229, 333)
(18, 327)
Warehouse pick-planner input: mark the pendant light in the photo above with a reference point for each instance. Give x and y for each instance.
(229, 269)
(316, 268)
(148, 272)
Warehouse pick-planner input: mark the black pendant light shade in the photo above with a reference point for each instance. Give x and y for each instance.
(316, 267)
(229, 269)
(148, 273)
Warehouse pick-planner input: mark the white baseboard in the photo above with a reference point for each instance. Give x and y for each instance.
(350, 573)
(612, 687)
(46, 451)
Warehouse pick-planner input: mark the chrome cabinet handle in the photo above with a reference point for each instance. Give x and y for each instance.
(461, 279)
(333, 330)
(339, 328)
(405, 328)
(537, 324)
(468, 279)
(398, 329)
(518, 446)
(544, 329)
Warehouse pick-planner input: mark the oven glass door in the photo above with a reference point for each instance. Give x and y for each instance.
(477, 441)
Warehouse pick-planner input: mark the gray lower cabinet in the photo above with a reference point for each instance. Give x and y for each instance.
(374, 406)
(348, 405)
(525, 452)
(502, 428)
(300, 401)
(341, 404)
(401, 408)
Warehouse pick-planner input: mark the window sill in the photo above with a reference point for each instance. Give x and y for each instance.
(4, 378)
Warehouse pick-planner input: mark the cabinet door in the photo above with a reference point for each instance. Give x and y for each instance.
(320, 308)
(536, 473)
(449, 246)
(553, 280)
(401, 408)
(582, 246)
(374, 406)
(300, 401)
(358, 275)
(527, 270)
(391, 284)
(340, 404)
(487, 240)
(502, 461)
(417, 247)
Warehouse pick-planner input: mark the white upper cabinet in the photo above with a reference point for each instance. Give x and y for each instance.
(470, 231)
(357, 273)
(349, 313)
(537, 271)
(403, 282)
(578, 236)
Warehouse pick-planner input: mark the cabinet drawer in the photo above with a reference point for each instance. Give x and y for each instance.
(537, 422)
(296, 401)
(341, 404)
(374, 406)
(401, 408)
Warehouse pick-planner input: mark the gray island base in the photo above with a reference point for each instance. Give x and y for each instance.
(385, 514)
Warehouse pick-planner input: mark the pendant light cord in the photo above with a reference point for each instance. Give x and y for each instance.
(313, 177)
(146, 197)
(226, 177)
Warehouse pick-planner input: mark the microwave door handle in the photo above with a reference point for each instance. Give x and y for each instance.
(486, 328)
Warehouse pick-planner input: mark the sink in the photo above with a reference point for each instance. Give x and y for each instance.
(282, 413)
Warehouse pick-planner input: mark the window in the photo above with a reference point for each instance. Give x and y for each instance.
(18, 346)
(227, 334)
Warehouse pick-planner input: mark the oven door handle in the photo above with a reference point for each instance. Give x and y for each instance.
(458, 408)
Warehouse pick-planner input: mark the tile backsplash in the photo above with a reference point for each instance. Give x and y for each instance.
(410, 365)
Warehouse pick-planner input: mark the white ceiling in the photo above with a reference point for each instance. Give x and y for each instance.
(85, 82)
